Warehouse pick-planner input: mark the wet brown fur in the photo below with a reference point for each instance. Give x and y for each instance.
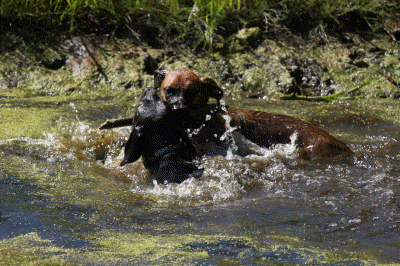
(184, 89)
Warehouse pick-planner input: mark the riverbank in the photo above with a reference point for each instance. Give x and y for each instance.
(254, 50)
(91, 67)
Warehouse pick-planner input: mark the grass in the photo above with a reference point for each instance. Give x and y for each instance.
(199, 20)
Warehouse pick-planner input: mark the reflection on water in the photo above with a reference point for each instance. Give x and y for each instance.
(269, 206)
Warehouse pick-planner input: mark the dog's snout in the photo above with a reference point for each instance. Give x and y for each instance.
(177, 106)
(177, 102)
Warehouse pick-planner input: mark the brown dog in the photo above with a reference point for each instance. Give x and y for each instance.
(183, 89)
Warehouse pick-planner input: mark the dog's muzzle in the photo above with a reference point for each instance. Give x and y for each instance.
(177, 102)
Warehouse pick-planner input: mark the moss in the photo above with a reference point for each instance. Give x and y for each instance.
(121, 73)
(245, 40)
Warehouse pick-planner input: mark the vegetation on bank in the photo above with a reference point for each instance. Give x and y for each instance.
(195, 22)
(316, 49)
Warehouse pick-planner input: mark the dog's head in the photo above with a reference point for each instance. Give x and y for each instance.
(183, 88)
(158, 135)
(150, 109)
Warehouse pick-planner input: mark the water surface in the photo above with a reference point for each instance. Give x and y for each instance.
(65, 200)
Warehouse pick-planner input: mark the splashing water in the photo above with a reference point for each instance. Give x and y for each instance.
(246, 166)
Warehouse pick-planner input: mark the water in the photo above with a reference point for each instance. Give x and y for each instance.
(64, 199)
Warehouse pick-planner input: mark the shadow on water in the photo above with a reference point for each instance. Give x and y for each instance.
(64, 199)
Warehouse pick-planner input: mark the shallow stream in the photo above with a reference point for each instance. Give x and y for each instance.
(65, 200)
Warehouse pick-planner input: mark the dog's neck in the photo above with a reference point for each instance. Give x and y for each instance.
(197, 115)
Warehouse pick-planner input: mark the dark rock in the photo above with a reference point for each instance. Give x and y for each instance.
(346, 39)
(356, 55)
(361, 64)
(55, 63)
(307, 76)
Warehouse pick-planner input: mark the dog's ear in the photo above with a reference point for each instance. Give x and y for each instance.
(134, 146)
(212, 88)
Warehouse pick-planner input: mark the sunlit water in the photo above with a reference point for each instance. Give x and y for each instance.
(69, 185)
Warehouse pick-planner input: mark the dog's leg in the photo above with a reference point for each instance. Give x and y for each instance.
(120, 122)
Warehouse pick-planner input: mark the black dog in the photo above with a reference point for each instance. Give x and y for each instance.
(160, 138)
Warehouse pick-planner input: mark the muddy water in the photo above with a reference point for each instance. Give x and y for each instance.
(64, 200)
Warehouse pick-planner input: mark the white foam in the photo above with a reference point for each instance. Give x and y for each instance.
(27, 140)
(226, 178)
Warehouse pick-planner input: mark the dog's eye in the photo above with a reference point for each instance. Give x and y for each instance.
(169, 90)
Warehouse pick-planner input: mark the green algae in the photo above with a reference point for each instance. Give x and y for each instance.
(65, 185)
(149, 248)
(31, 249)
(34, 116)
(119, 247)
(22, 122)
